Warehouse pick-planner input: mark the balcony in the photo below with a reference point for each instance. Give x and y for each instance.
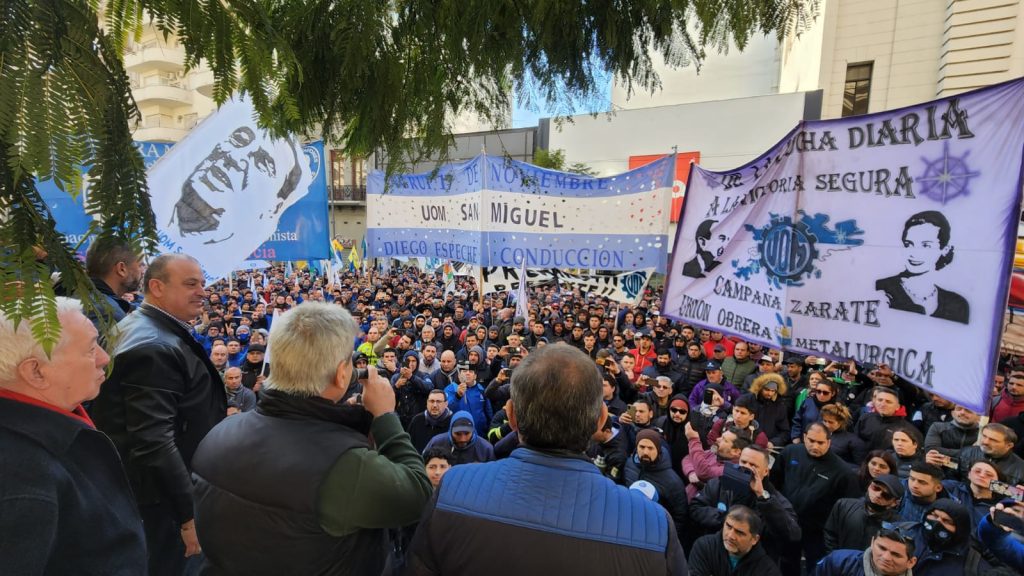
(160, 91)
(347, 194)
(201, 80)
(153, 55)
(164, 128)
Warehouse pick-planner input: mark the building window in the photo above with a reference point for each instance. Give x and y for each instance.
(858, 89)
(359, 171)
(337, 169)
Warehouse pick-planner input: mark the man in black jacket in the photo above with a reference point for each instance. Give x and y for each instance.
(650, 463)
(714, 554)
(853, 522)
(65, 504)
(781, 526)
(813, 479)
(432, 421)
(162, 398)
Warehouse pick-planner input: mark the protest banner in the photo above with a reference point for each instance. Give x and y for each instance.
(492, 211)
(885, 238)
(625, 287)
(220, 192)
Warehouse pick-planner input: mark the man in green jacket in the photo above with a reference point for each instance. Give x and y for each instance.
(297, 486)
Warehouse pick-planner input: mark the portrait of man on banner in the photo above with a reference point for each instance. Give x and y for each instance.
(710, 247)
(226, 186)
(927, 250)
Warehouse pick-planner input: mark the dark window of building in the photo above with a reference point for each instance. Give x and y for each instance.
(858, 89)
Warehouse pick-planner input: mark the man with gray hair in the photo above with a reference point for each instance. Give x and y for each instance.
(547, 496)
(298, 475)
(162, 398)
(65, 504)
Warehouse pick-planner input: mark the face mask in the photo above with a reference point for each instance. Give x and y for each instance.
(875, 508)
(935, 534)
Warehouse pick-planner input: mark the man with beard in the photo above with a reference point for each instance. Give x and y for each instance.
(854, 521)
(462, 441)
(447, 374)
(673, 427)
(736, 550)
(115, 269)
(1011, 402)
(781, 525)
(650, 463)
(772, 414)
(429, 365)
(663, 366)
(813, 478)
(436, 419)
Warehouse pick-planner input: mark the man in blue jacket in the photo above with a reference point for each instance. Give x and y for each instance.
(891, 554)
(563, 514)
(468, 395)
(462, 442)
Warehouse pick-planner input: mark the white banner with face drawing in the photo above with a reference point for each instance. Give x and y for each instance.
(885, 238)
(220, 192)
(626, 287)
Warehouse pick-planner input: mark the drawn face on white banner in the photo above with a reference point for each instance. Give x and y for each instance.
(246, 168)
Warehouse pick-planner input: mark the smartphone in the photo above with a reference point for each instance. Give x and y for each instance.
(600, 361)
(506, 371)
(951, 463)
(1008, 490)
(631, 410)
(1007, 520)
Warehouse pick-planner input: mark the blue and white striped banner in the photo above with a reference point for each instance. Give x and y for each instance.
(491, 211)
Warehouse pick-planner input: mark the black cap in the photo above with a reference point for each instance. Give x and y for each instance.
(891, 483)
(711, 366)
(256, 348)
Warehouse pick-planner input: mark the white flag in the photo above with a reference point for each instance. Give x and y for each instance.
(522, 296)
(219, 193)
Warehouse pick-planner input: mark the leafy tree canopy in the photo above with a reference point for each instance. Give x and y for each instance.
(368, 74)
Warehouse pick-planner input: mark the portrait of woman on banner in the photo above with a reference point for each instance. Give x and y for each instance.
(927, 250)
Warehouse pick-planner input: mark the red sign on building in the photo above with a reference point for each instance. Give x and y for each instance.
(682, 171)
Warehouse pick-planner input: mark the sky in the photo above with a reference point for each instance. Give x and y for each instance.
(523, 118)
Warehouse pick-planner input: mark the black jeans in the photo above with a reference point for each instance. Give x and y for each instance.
(163, 540)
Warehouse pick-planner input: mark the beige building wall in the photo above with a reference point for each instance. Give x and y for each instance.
(170, 100)
(981, 44)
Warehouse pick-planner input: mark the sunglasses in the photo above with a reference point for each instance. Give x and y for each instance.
(678, 411)
(823, 392)
(663, 387)
(899, 532)
(882, 492)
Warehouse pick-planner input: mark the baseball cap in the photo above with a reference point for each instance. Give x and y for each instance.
(892, 485)
(711, 366)
(256, 348)
(646, 488)
(465, 366)
(463, 425)
(766, 358)
(719, 348)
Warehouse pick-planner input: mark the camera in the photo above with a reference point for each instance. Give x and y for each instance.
(362, 374)
(951, 463)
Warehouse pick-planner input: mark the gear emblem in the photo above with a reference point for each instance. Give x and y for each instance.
(787, 249)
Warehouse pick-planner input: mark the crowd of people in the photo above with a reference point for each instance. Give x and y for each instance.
(385, 392)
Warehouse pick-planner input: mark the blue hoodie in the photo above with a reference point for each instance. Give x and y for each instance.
(473, 402)
(477, 450)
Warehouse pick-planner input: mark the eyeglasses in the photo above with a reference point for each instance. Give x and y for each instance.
(678, 411)
(822, 392)
(663, 387)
